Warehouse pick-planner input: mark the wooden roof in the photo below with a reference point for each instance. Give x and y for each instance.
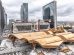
(46, 39)
(52, 45)
(69, 37)
(30, 38)
(52, 42)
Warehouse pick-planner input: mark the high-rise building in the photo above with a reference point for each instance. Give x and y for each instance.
(50, 14)
(24, 12)
(2, 18)
(5, 19)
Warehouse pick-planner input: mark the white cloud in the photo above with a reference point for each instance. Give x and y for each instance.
(64, 8)
(12, 8)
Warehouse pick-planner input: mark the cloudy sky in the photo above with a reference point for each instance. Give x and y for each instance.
(65, 9)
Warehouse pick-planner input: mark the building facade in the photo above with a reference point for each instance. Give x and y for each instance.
(24, 12)
(17, 27)
(2, 18)
(50, 14)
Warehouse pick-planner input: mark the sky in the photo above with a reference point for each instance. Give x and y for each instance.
(65, 9)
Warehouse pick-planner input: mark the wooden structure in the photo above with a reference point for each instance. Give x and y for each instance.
(46, 39)
(51, 38)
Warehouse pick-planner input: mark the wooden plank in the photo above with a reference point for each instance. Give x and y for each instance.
(48, 40)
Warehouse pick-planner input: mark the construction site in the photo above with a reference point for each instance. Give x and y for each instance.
(44, 37)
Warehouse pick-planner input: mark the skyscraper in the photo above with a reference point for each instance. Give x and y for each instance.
(2, 18)
(50, 14)
(24, 12)
(5, 19)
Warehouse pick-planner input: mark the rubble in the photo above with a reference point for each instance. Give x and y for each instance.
(43, 42)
